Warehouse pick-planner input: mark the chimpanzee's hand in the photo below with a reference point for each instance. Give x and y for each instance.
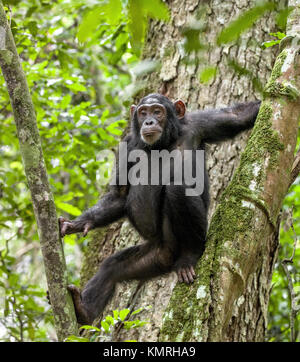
(67, 227)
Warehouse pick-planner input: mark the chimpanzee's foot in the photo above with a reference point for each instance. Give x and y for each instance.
(186, 274)
(81, 313)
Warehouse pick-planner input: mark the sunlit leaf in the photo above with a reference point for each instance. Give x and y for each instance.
(105, 326)
(243, 22)
(88, 327)
(156, 9)
(89, 23)
(270, 43)
(76, 339)
(113, 11)
(123, 313)
(207, 74)
(70, 209)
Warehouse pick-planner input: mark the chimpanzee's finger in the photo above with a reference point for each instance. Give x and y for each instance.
(87, 228)
(65, 226)
(61, 221)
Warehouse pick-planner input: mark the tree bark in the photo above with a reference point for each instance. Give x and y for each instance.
(233, 289)
(36, 174)
(191, 313)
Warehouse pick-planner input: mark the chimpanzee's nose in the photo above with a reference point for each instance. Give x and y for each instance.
(149, 122)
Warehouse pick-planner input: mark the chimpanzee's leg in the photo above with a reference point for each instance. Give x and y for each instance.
(187, 217)
(139, 262)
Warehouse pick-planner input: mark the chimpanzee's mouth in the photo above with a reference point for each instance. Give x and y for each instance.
(151, 133)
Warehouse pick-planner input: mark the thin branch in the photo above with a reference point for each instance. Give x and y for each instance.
(295, 308)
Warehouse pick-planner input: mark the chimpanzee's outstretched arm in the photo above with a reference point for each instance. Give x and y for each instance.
(109, 208)
(220, 124)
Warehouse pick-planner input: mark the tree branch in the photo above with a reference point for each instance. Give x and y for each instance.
(36, 174)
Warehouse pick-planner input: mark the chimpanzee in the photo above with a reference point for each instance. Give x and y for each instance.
(174, 225)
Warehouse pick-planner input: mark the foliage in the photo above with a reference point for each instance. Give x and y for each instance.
(22, 308)
(119, 319)
(271, 43)
(195, 37)
(78, 89)
(280, 303)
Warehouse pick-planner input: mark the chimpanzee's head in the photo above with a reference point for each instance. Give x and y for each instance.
(156, 120)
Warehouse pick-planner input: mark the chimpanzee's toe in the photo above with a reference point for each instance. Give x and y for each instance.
(186, 274)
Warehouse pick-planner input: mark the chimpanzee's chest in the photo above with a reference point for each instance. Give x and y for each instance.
(144, 209)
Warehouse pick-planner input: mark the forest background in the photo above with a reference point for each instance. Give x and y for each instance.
(83, 61)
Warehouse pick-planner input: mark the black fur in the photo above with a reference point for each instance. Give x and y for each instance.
(174, 225)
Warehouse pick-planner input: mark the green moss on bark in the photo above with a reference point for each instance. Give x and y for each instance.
(275, 88)
(276, 72)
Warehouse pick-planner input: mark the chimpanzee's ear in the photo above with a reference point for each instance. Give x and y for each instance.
(132, 110)
(180, 108)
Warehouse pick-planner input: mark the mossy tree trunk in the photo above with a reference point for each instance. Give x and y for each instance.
(36, 174)
(192, 313)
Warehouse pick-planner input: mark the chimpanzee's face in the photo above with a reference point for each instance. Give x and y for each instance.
(152, 118)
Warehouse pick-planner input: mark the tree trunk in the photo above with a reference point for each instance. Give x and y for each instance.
(192, 318)
(36, 174)
(232, 292)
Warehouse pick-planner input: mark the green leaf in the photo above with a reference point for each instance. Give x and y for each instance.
(207, 74)
(192, 38)
(89, 23)
(278, 35)
(136, 28)
(33, 28)
(112, 129)
(243, 22)
(72, 210)
(282, 15)
(137, 311)
(113, 11)
(76, 339)
(105, 326)
(124, 313)
(66, 100)
(104, 135)
(270, 43)
(76, 87)
(16, 165)
(156, 9)
(129, 324)
(30, 11)
(88, 327)
(138, 13)
(109, 319)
